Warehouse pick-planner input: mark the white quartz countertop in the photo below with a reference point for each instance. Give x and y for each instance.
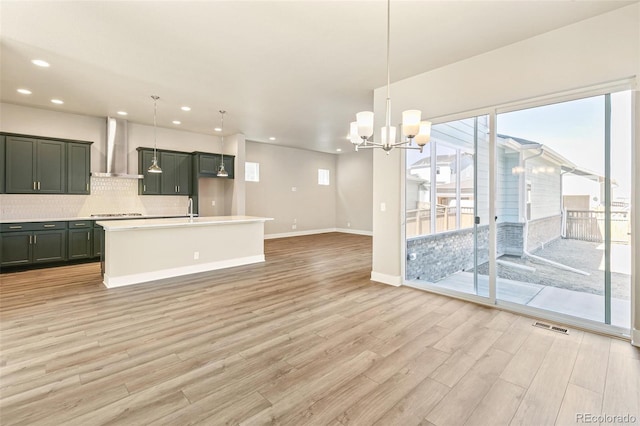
(121, 225)
(69, 219)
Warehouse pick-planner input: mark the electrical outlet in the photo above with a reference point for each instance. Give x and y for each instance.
(294, 189)
(213, 202)
(383, 207)
(196, 255)
(295, 220)
(348, 224)
(294, 226)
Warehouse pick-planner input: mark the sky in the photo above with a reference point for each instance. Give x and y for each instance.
(575, 130)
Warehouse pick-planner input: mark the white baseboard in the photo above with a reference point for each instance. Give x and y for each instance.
(394, 280)
(635, 337)
(112, 282)
(299, 233)
(355, 231)
(317, 231)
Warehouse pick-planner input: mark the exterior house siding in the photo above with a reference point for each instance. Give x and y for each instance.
(546, 196)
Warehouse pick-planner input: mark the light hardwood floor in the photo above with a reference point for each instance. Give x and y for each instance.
(305, 338)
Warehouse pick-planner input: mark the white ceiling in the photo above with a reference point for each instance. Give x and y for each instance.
(295, 70)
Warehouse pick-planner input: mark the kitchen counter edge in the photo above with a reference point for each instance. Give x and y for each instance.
(123, 225)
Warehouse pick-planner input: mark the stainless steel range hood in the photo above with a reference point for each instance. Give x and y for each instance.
(117, 151)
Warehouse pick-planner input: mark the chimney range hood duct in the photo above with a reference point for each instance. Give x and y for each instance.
(117, 151)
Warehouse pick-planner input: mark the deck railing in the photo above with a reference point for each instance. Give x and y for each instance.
(419, 220)
(588, 225)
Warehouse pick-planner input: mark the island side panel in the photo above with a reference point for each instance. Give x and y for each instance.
(145, 254)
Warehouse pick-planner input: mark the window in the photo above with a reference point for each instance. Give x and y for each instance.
(252, 172)
(323, 177)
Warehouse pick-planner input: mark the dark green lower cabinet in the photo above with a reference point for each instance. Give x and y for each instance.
(24, 248)
(15, 248)
(98, 236)
(80, 243)
(49, 246)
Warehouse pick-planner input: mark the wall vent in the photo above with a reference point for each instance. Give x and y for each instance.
(551, 327)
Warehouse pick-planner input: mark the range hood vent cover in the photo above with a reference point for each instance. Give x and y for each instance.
(117, 151)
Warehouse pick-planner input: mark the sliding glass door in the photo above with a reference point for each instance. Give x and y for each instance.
(562, 209)
(563, 203)
(447, 207)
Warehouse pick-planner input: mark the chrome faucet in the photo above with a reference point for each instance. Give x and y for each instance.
(190, 209)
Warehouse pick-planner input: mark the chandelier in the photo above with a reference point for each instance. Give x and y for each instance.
(361, 130)
(221, 171)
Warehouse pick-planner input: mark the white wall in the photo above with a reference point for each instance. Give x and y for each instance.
(595, 51)
(311, 207)
(354, 191)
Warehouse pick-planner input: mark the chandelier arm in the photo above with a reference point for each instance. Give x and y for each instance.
(375, 143)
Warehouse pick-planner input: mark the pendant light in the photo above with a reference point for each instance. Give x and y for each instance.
(155, 168)
(412, 128)
(221, 171)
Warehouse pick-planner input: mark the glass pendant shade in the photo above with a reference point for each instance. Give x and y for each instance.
(353, 133)
(154, 168)
(365, 124)
(411, 122)
(391, 134)
(424, 134)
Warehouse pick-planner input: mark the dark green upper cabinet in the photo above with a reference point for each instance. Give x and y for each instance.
(20, 165)
(150, 184)
(78, 168)
(176, 173)
(175, 178)
(51, 160)
(2, 163)
(208, 164)
(34, 165)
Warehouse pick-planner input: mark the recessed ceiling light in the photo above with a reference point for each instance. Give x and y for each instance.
(339, 150)
(123, 113)
(217, 129)
(272, 138)
(177, 122)
(185, 108)
(57, 101)
(40, 63)
(24, 91)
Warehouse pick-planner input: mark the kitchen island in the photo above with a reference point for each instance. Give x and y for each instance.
(137, 251)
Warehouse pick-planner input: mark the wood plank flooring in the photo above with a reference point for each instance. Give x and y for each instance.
(303, 339)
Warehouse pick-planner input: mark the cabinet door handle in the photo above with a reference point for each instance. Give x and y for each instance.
(88, 236)
(34, 185)
(38, 186)
(144, 188)
(87, 187)
(15, 227)
(178, 189)
(30, 239)
(35, 239)
(49, 226)
(78, 224)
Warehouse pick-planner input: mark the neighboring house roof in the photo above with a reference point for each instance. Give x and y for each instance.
(566, 165)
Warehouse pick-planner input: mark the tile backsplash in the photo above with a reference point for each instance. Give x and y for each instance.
(108, 195)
